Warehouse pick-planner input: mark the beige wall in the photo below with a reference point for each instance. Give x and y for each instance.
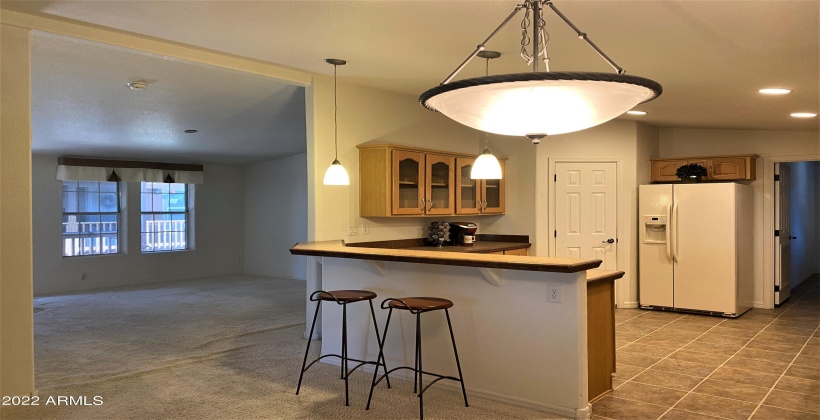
(617, 140)
(771, 146)
(16, 322)
(372, 116)
(217, 218)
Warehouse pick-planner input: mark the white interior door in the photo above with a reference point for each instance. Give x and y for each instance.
(586, 211)
(782, 242)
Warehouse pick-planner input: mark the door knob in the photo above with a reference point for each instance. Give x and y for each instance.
(608, 241)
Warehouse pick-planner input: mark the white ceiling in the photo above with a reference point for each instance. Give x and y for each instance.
(710, 57)
(81, 106)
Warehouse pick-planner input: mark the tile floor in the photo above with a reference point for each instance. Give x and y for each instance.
(762, 365)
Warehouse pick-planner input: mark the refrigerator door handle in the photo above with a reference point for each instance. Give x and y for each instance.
(675, 256)
(669, 232)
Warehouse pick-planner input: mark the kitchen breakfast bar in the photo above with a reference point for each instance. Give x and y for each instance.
(516, 344)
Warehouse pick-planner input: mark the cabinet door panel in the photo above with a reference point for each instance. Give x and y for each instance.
(408, 182)
(467, 190)
(665, 170)
(728, 168)
(519, 251)
(493, 194)
(439, 186)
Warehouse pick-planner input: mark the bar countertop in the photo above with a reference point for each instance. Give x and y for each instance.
(338, 249)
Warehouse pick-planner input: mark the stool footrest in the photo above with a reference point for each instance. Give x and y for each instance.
(438, 376)
(360, 363)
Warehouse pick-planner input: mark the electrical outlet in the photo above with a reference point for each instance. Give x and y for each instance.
(83, 276)
(553, 293)
(365, 230)
(352, 231)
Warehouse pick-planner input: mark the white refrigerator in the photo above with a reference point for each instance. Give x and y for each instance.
(696, 248)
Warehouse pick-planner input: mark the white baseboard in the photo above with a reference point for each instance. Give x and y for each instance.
(629, 305)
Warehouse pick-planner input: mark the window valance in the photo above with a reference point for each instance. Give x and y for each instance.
(86, 169)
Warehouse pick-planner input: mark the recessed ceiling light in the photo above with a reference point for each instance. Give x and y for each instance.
(190, 131)
(636, 112)
(137, 84)
(803, 114)
(774, 91)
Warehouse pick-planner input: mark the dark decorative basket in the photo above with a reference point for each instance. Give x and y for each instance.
(691, 172)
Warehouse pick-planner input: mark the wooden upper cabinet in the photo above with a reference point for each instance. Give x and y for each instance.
(478, 196)
(404, 181)
(492, 193)
(719, 168)
(664, 170)
(439, 188)
(732, 168)
(408, 182)
(468, 191)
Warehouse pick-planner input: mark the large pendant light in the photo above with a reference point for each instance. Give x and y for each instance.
(336, 173)
(538, 104)
(486, 166)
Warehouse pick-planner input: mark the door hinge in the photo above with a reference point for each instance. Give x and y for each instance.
(776, 287)
(777, 232)
(776, 177)
(555, 234)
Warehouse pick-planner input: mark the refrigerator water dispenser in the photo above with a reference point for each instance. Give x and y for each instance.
(654, 229)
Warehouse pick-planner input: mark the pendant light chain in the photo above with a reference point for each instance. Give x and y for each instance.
(335, 118)
(543, 35)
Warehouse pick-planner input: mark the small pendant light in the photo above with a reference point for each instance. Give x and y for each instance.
(486, 166)
(336, 173)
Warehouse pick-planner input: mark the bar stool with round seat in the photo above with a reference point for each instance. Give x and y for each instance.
(341, 297)
(417, 306)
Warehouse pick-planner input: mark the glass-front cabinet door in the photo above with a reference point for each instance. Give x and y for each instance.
(493, 194)
(408, 182)
(439, 185)
(467, 190)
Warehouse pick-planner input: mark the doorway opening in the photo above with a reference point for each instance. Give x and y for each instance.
(791, 229)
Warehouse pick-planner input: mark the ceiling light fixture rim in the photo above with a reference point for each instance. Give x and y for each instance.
(652, 85)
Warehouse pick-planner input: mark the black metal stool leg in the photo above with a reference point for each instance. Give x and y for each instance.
(307, 350)
(458, 364)
(345, 372)
(379, 341)
(416, 363)
(379, 359)
(420, 366)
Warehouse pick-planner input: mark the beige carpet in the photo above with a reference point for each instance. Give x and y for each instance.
(216, 348)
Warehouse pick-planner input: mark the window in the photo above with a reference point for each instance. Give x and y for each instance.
(164, 219)
(91, 213)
